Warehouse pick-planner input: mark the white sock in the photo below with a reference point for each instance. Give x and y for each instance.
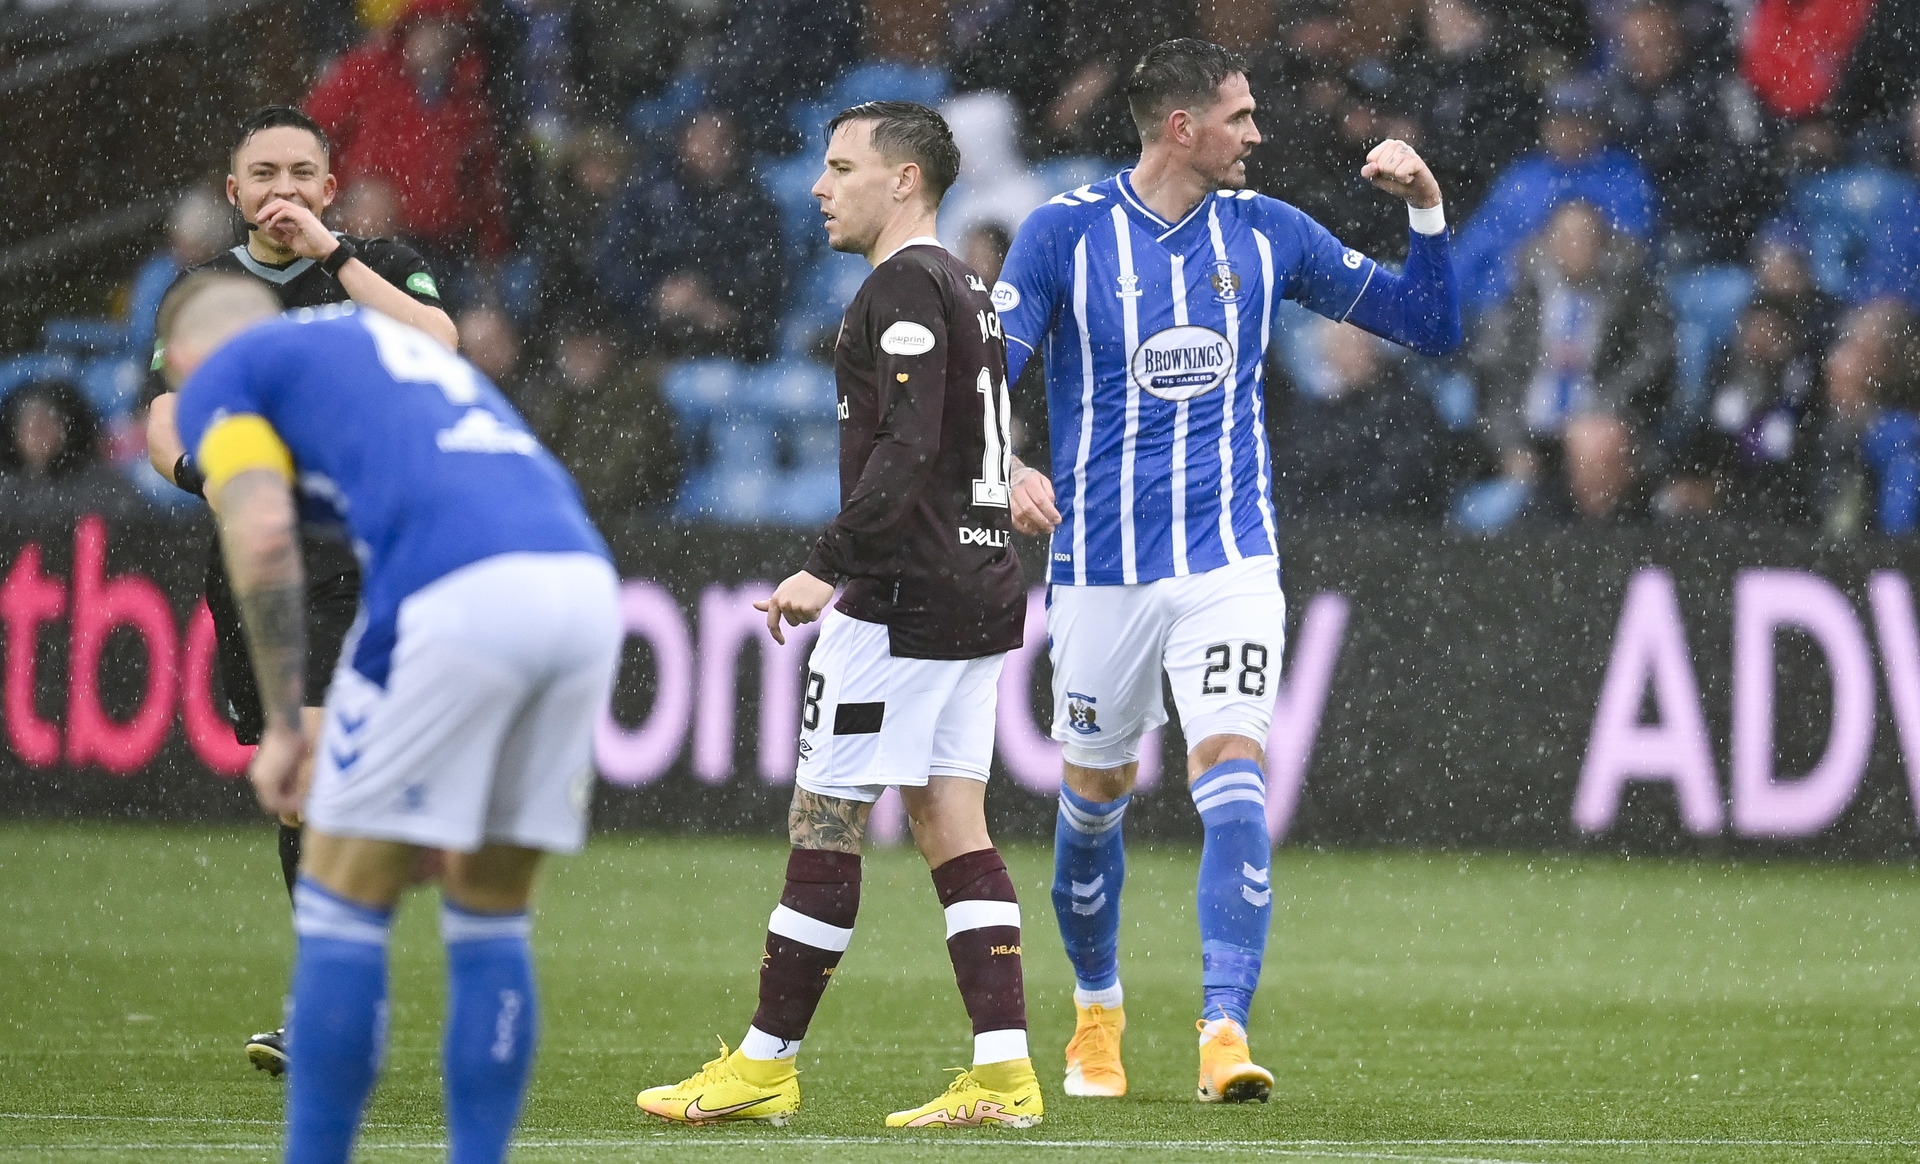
(1111, 997)
(999, 1046)
(760, 1045)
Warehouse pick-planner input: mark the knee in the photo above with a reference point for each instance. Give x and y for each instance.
(1101, 784)
(1600, 462)
(1219, 750)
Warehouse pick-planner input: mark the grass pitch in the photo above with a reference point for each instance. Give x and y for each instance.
(1416, 1007)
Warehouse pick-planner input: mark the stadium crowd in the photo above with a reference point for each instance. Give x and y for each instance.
(1688, 233)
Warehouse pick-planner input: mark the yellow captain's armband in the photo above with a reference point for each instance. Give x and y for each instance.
(236, 444)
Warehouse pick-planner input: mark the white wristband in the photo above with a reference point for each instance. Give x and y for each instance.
(1427, 220)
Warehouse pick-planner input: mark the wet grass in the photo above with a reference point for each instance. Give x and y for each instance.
(1416, 1007)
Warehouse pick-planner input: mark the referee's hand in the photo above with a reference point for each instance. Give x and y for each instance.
(799, 599)
(278, 770)
(1033, 510)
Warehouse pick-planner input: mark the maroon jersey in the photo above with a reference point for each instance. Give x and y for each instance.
(924, 537)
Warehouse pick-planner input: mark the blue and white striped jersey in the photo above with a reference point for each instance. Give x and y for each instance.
(1155, 336)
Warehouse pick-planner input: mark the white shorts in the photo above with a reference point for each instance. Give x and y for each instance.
(870, 721)
(1218, 635)
(484, 732)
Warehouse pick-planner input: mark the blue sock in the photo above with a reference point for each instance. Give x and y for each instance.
(1236, 902)
(1089, 866)
(338, 1025)
(492, 1027)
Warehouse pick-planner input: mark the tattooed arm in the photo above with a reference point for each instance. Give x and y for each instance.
(259, 533)
(826, 822)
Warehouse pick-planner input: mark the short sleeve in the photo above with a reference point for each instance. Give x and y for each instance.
(402, 266)
(1030, 287)
(224, 386)
(1321, 274)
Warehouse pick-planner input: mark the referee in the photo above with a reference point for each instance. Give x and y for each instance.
(280, 183)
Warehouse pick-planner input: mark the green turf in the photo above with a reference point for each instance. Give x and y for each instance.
(1416, 1007)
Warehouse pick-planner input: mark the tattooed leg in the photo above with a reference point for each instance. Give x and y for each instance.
(826, 822)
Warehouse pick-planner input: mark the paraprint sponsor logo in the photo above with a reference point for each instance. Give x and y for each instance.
(1181, 363)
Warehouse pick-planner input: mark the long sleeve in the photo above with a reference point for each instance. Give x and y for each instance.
(1419, 308)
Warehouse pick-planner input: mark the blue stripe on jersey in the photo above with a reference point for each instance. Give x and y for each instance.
(1155, 336)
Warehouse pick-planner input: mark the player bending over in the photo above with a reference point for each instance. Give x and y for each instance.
(461, 714)
(902, 682)
(1152, 294)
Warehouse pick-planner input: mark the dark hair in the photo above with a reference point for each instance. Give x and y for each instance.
(277, 117)
(905, 131)
(1177, 74)
(81, 447)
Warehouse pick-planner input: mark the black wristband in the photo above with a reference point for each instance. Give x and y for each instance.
(188, 477)
(341, 256)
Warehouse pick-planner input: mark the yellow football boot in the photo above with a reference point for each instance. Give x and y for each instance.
(989, 1093)
(1093, 1058)
(1228, 1073)
(732, 1087)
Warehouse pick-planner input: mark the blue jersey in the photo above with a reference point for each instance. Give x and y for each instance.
(405, 443)
(1155, 336)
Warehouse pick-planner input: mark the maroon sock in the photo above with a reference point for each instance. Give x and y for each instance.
(983, 939)
(805, 939)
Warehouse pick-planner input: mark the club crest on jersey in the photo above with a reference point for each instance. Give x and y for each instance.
(1081, 713)
(1181, 362)
(1226, 283)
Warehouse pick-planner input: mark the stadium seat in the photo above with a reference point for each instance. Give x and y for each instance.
(790, 389)
(18, 371)
(112, 384)
(1489, 506)
(1840, 210)
(1706, 302)
(696, 389)
(790, 182)
(83, 336)
(1072, 173)
(656, 118)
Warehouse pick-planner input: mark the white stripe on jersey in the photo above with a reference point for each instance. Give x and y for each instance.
(1227, 541)
(1086, 415)
(1260, 384)
(1130, 311)
(1180, 432)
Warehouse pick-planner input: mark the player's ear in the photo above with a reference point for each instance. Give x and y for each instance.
(906, 181)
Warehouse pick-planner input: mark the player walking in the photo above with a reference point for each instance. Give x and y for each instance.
(280, 183)
(902, 683)
(460, 717)
(1152, 295)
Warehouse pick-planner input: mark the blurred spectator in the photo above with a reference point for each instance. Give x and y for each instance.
(1783, 275)
(1891, 265)
(1465, 88)
(772, 53)
(995, 185)
(626, 50)
(984, 248)
(1574, 161)
(1870, 449)
(1324, 99)
(1066, 65)
(575, 203)
(409, 107)
(1371, 446)
(694, 258)
(1882, 76)
(600, 412)
(1673, 113)
(1757, 445)
(1795, 52)
(1576, 366)
(370, 208)
(199, 227)
(51, 459)
(491, 343)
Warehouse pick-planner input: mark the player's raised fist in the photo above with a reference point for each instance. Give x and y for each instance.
(1393, 166)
